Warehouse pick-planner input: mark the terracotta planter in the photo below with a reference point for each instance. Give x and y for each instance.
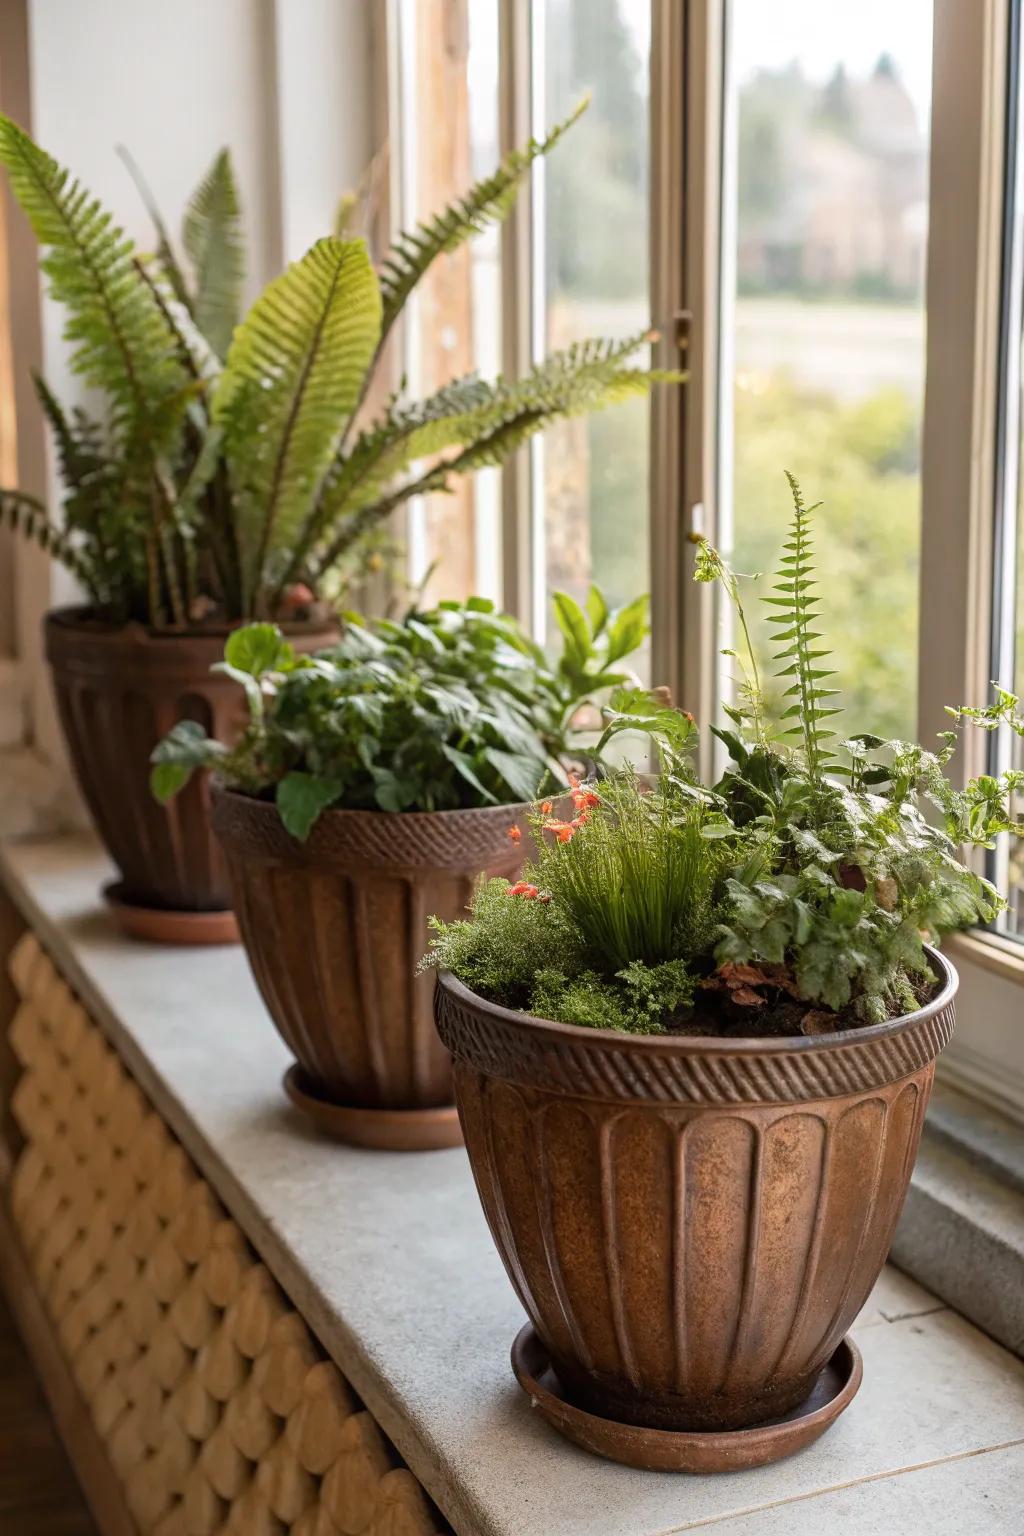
(335, 928)
(119, 689)
(691, 1224)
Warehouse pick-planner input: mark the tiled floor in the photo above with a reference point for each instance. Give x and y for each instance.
(909, 1471)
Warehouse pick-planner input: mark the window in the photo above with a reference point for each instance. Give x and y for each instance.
(824, 240)
(583, 514)
(448, 137)
(1008, 617)
(590, 477)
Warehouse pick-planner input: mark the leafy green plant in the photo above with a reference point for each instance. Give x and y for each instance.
(841, 873)
(793, 895)
(450, 708)
(232, 475)
(620, 901)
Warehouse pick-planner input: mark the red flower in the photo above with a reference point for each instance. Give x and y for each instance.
(523, 888)
(546, 808)
(514, 835)
(688, 716)
(583, 799)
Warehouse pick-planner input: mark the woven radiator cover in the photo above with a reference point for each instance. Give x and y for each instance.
(219, 1412)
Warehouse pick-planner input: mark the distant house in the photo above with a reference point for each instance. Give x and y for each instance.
(833, 185)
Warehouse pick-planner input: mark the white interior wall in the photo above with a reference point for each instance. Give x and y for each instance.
(284, 83)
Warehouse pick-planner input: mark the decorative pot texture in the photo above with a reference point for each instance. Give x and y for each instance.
(119, 689)
(692, 1224)
(335, 929)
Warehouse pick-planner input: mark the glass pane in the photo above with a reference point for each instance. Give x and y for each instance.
(824, 319)
(591, 214)
(1006, 863)
(450, 138)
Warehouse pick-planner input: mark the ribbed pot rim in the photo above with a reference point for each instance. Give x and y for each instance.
(455, 839)
(81, 619)
(529, 1025)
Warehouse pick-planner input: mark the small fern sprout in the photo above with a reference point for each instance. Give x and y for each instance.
(797, 606)
(709, 567)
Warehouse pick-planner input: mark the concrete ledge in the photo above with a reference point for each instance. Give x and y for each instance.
(962, 1228)
(388, 1259)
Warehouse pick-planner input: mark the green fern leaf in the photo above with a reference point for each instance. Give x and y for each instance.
(169, 264)
(28, 516)
(797, 611)
(215, 245)
(293, 377)
(487, 202)
(487, 422)
(121, 341)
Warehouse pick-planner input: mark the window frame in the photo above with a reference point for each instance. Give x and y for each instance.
(691, 159)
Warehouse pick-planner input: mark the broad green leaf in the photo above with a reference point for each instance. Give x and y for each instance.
(185, 748)
(166, 779)
(574, 627)
(628, 628)
(597, 610)
(257, 649)
(300, 799)
(523, 775)
(464, 767)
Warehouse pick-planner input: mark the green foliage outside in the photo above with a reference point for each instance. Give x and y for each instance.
(862, 459)
(446, 710)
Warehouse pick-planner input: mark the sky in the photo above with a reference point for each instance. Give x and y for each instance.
(821, 33)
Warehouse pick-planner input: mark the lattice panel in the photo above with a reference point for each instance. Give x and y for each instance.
(220, 1414)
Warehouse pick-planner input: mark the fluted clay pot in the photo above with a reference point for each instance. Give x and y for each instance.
(692, 1224)
(335, 929)
(119, 689)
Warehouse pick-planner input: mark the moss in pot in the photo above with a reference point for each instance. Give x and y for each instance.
(376, 782)
(693, 1125)
(233, 471)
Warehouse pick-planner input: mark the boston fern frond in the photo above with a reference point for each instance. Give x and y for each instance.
(121, 342)
(214, 244)
(292, 379)
(227, 475)
(487, 422)
(797, 612)
(488, 202)
(28, 515)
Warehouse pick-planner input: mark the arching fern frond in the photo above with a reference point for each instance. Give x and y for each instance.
(29, 516)
(486, 422)
(121, 342)
(802, 666)
(488, 202)
(215, 245)
(293, 376)
(165, 252)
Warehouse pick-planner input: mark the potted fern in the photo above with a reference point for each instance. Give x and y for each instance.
(693, 1049)
(230, 476)
(375, 782)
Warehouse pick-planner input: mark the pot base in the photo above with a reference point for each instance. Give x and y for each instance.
(662, 1450)
(163, 925)
(388, 1130)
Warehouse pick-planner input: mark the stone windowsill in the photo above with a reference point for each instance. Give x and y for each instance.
(389, 1259)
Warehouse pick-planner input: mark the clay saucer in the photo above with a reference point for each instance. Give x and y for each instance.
(162, 925)
(389, 1130)
(662, 1450)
